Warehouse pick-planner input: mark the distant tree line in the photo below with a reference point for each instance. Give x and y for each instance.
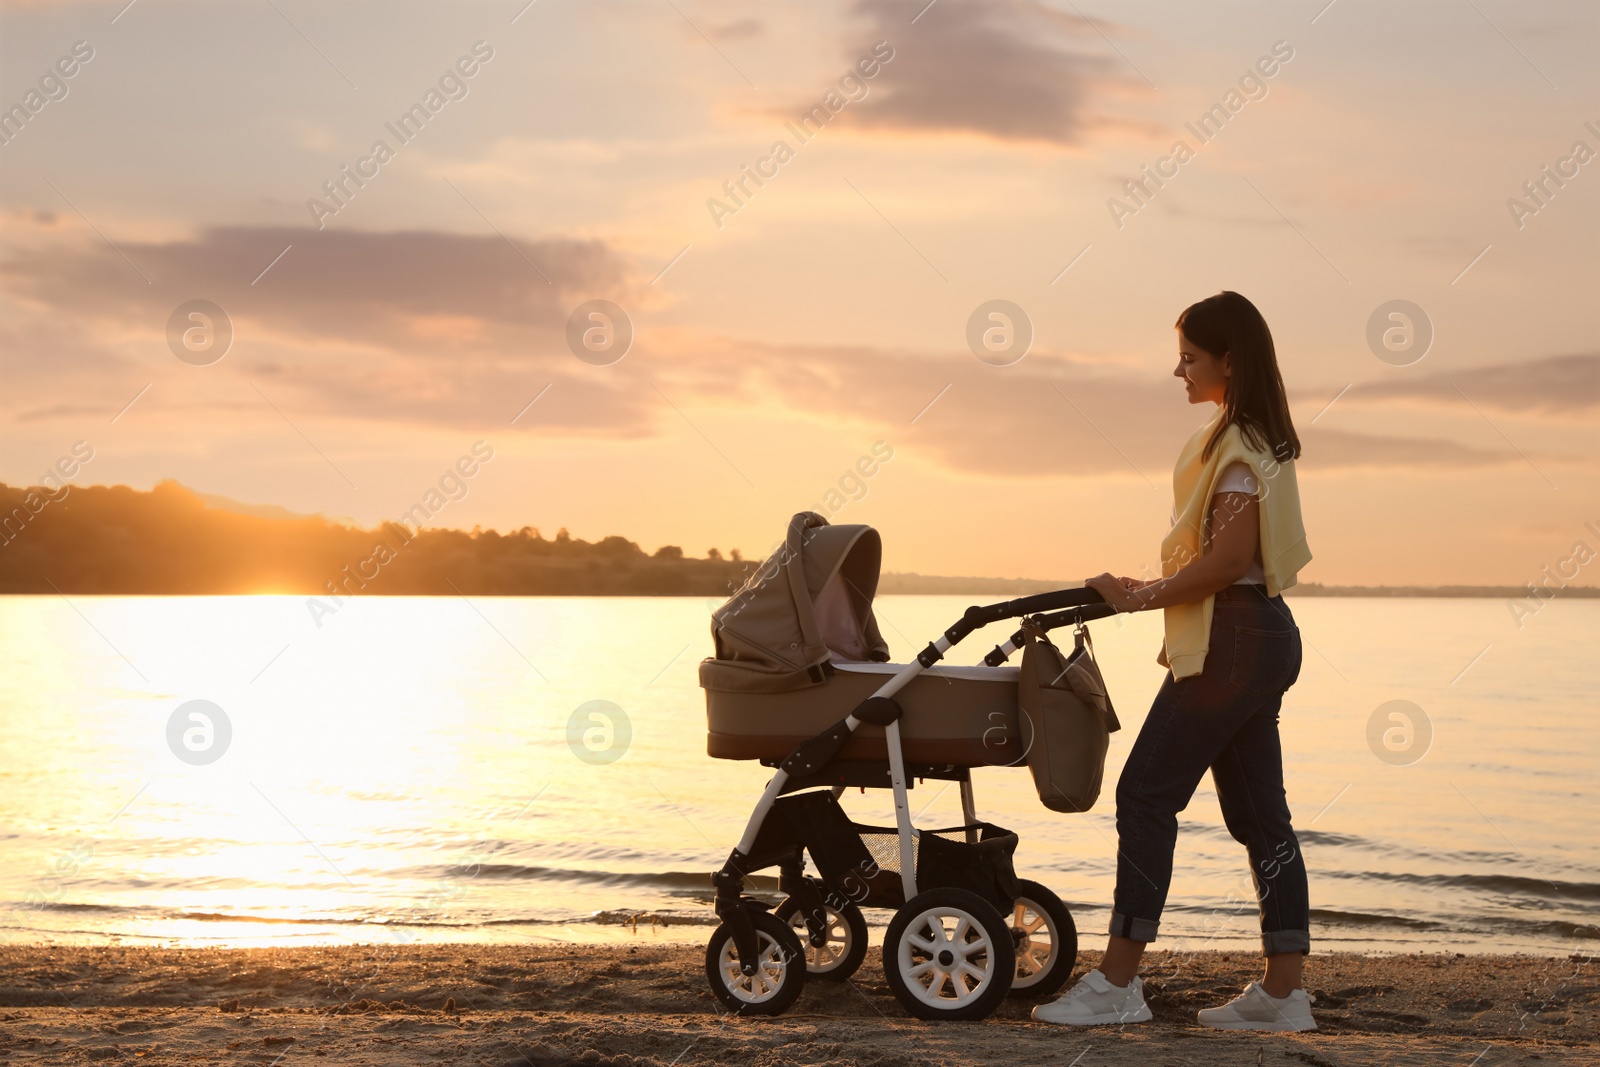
(117, 540)
(114, 539)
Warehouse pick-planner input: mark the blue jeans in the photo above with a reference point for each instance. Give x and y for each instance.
(1225, 718)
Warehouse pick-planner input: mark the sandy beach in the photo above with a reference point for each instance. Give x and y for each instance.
(542, 1006)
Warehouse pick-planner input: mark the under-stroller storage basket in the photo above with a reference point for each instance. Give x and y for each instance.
(945, 860)
(862, 863)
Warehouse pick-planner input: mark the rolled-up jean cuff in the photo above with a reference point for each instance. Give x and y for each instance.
(1280, 941)
(1134, 929)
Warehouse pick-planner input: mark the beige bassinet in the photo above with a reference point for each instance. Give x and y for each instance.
(778, 678)
(963, 716)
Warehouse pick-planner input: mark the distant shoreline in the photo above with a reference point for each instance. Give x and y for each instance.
(117, 541)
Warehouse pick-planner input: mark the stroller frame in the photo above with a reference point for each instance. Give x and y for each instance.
(812, 764)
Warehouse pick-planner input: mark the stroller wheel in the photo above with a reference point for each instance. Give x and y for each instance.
(846, 944)
(776, 981)
(948, 955)
(1046, 941)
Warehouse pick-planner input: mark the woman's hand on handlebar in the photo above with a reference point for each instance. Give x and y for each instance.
(1120, 593)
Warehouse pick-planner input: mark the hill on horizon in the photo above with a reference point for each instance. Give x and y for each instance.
(172, 540)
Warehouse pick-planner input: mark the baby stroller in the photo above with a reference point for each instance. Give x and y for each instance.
(799, 682)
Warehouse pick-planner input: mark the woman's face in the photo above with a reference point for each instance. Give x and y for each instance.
(1205, 377)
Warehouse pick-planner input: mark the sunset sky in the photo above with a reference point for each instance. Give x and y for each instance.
(778, 338)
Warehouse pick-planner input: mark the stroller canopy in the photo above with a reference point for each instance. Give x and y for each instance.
(811, 600)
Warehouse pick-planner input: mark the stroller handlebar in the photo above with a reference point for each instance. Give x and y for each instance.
(1074, 616)
(1031, 605)
(981, 615)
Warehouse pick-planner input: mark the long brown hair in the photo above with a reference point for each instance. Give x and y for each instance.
(1229, 325)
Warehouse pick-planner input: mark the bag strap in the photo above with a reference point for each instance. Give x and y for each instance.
(1085, 640)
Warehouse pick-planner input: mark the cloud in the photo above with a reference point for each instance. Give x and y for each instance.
(436, 329)
(991, 67)
(1047, 415)
(737, 30)
(406, 327)
(346, 282)
(1342, 449)
(1554, 384)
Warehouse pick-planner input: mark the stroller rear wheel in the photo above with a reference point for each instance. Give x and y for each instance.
(948, 955)
(1046, 941)
(775, 980)
(846, 945)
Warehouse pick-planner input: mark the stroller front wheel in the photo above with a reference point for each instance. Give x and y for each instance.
(948, 954)
(776, 979)
(1046, 940)
(846, 940)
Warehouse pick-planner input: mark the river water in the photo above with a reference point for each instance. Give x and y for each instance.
(403, 771)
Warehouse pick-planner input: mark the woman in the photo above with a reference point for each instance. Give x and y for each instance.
(1233, 650)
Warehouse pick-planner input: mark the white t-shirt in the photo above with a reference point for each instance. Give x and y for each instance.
(1237, 477)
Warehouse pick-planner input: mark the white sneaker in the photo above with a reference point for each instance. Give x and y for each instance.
(1095, 1001)
(1255, 1009)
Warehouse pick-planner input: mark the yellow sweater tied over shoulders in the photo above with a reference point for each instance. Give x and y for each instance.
(1283, 537)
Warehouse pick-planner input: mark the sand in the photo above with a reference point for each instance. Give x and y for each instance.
(648, 1004)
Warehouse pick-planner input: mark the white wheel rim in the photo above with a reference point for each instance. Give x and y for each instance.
(945, 959)
(1037, 944)
(827, 957)
(768, 978)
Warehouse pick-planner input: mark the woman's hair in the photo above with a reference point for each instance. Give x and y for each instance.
(1229, 325)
